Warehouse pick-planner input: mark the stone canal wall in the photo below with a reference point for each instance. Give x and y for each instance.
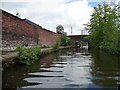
(17, 31)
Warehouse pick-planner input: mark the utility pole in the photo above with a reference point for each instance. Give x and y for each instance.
(71, 30)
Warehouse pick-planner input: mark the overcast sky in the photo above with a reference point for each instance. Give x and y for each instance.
(50, 13)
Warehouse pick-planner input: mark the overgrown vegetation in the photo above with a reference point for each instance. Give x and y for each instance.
(56, 46)
(6, 52)
(28, 56)
(64, 41)
(104, 28)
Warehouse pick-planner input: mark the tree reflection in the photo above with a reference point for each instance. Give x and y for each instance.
(104, 69)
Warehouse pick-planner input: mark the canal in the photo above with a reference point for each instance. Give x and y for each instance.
(68, 68)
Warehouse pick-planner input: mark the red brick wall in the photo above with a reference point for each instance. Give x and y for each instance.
(16, 31)
(47, 38)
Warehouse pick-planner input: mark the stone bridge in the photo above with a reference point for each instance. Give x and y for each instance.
(79, 39)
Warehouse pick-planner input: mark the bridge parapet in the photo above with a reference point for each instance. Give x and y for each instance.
(78, 38)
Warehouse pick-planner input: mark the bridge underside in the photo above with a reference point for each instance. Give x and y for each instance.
(79, 39)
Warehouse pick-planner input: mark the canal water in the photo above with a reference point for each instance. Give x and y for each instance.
(68, 68)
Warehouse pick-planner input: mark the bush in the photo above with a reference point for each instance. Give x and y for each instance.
(56, 46)
(64, 41)
(28, 56)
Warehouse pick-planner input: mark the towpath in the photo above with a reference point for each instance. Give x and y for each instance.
(15, 54)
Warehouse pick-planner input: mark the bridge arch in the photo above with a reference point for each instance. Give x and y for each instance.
(80, 39)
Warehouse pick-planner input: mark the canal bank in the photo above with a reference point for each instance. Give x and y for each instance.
(12, 57)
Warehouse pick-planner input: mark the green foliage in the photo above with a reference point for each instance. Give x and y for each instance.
(28, 56)
(6, 52)
(64, 41)
(103, 28)
(56, 46)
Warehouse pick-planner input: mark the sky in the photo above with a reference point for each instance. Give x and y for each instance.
(51, 13)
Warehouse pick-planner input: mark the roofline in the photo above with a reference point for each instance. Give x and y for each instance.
(26, 21)
(10, 14)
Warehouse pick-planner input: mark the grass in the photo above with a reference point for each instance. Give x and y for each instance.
(7, 52)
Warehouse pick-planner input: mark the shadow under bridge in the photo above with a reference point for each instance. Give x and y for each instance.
(79, 40)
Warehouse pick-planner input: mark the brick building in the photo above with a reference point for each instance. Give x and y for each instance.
(17, 31)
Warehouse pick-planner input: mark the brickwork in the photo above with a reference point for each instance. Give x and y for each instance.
(47, 38)
(16, 31)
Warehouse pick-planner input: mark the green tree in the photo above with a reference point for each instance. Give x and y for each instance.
(103, 28)
(60, 30)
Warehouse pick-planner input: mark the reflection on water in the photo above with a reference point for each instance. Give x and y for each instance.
(70, 68)
(105, 69)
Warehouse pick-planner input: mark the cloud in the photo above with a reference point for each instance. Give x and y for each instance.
(117, 1)
(50, 13)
